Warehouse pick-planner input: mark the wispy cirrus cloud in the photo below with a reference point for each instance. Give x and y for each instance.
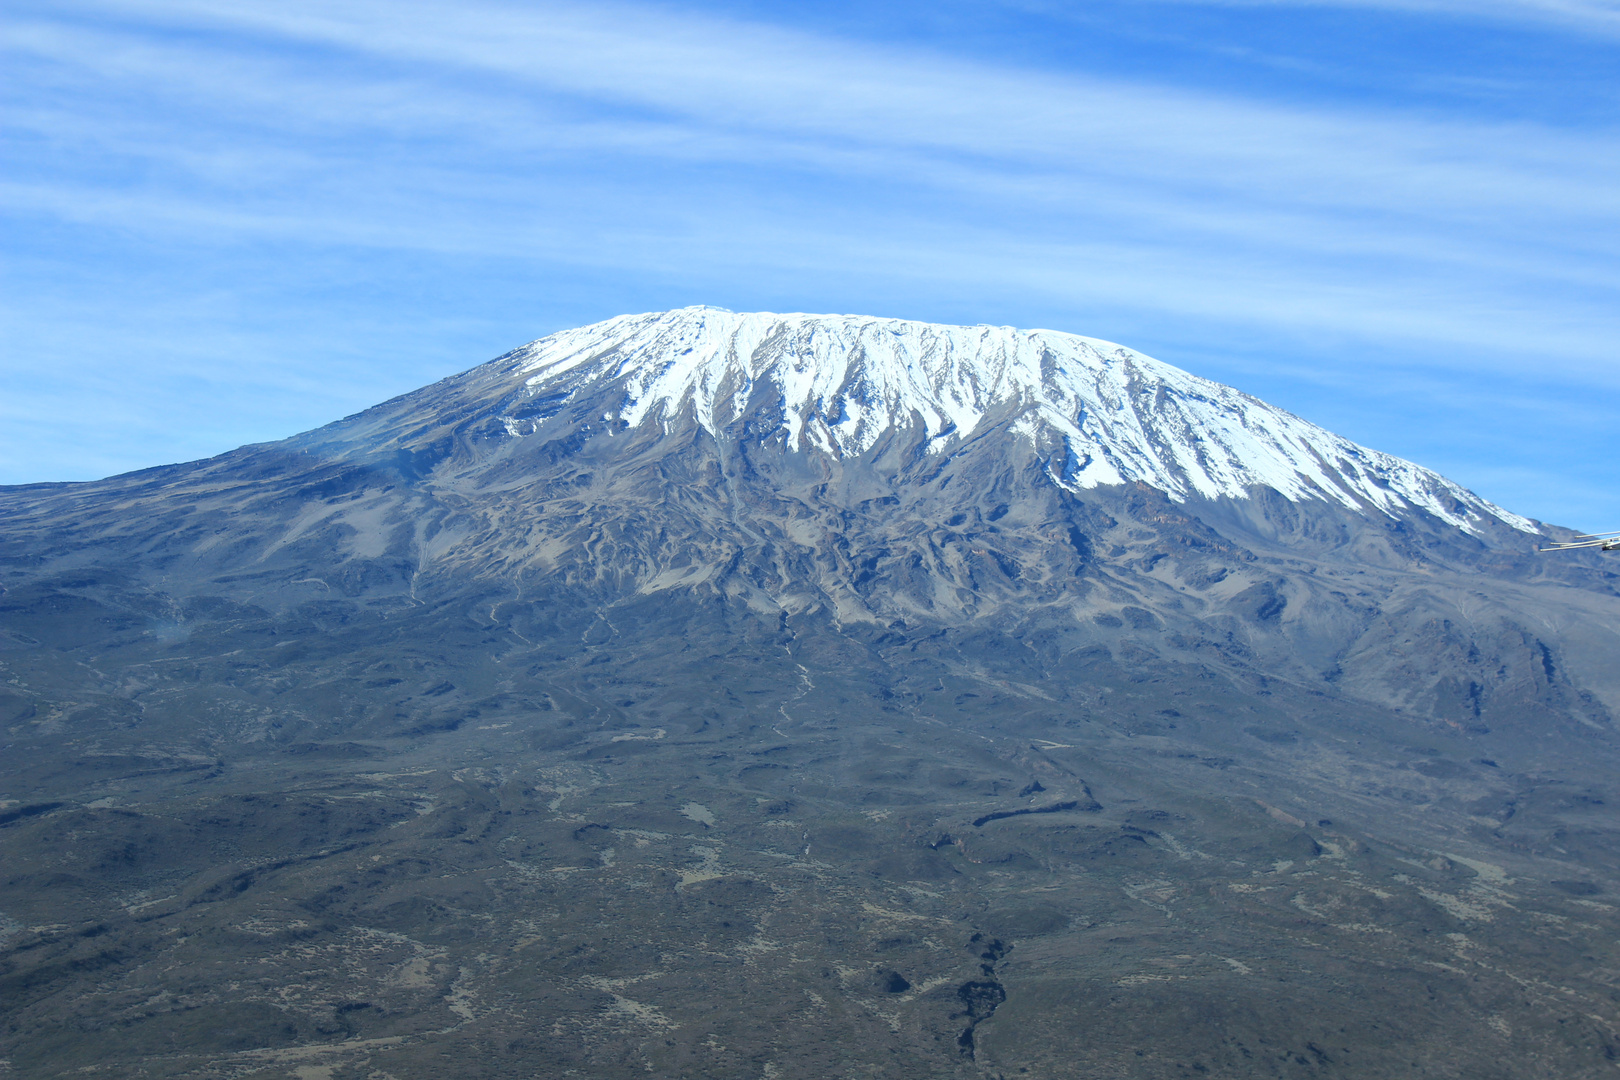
(1583, 16)
(1143, 166)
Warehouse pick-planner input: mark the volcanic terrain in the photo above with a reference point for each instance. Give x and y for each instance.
(784, 696)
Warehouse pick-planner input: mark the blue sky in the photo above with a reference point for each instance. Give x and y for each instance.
(231, 220)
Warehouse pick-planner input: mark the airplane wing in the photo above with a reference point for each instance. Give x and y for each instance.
(1602, 541)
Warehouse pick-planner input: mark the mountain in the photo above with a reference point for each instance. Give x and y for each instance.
(1099, 413)
(709, 694)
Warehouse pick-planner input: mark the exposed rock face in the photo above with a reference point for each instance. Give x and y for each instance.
(896, 474)
(860, 642)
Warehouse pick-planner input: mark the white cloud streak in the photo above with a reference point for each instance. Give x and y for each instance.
(619, 135)
(1585, 16)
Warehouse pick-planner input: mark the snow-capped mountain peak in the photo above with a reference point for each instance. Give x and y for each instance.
(1120, 416)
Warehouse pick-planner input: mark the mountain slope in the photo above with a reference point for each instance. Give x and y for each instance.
(880, 471)
(740, 695)
(1105, 414)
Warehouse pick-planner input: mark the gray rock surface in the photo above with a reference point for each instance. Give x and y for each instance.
(480, 735)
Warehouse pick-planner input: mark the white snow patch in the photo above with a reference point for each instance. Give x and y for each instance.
(842, 381)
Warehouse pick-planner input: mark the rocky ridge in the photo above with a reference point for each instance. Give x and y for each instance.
(1105, 414)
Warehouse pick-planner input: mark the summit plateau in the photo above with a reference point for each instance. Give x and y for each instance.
(749, 695)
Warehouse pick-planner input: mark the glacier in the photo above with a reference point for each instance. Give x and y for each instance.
(1120, 416)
